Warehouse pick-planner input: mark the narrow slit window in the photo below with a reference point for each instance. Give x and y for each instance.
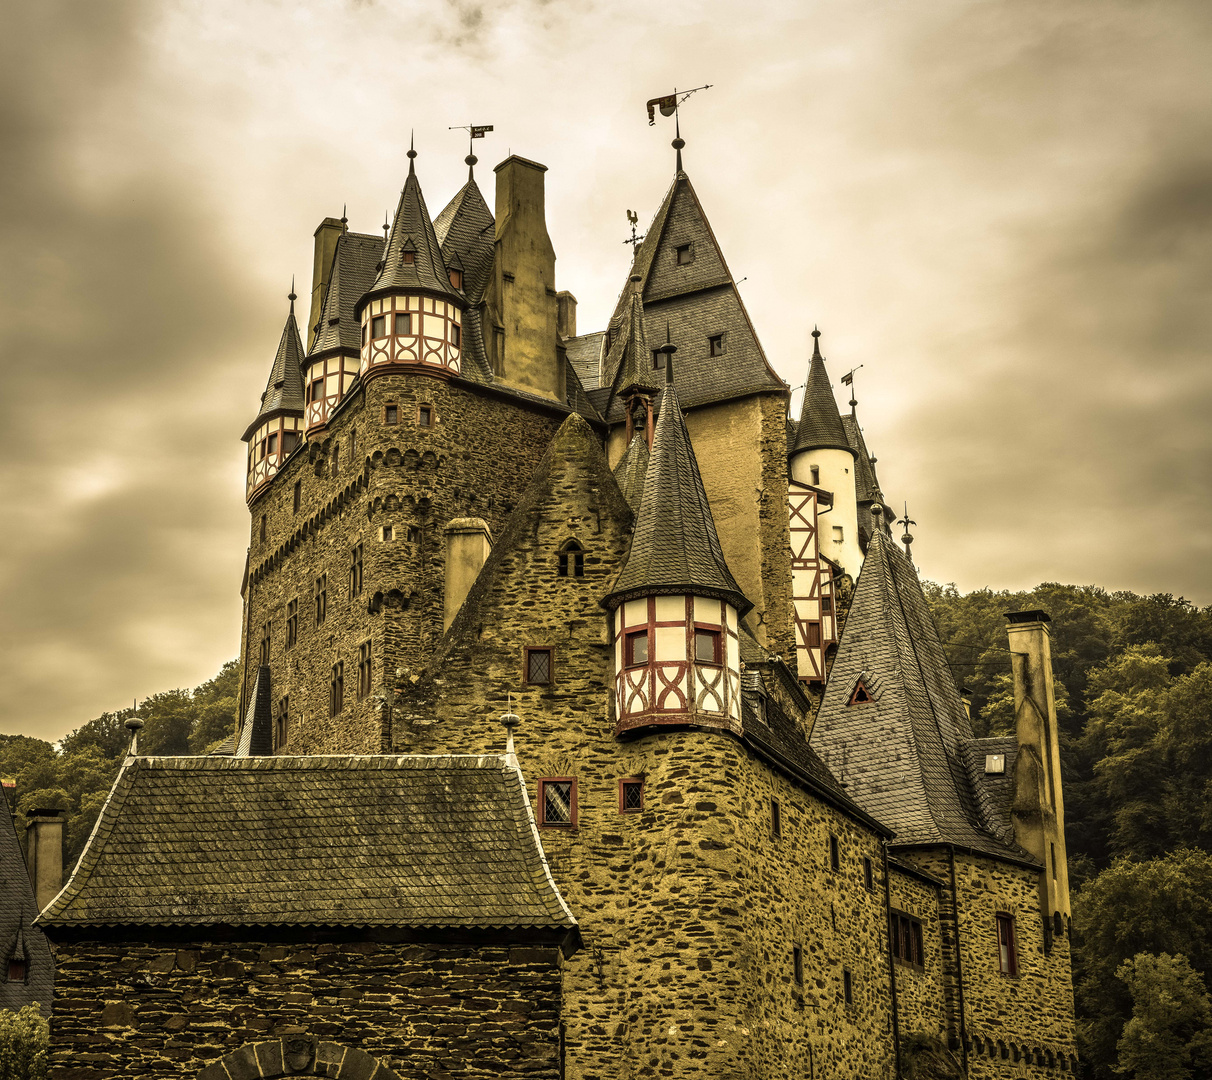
(776, 819)
(298, 496)
(336, 689)
(847, 986)
(364, 670)
(292, 623)
(321, 594)
(557, 802)
(637, 648)
(868, 874)
(456, 335)
(1007, 948)
(539, 667)
(631, 796)
(282, 723)
(797, 964)
(835, 855)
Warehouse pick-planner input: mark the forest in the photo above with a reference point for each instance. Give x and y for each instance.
(1134, 698)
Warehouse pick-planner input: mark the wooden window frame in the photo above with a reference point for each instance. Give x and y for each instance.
(629, 639)
(717, 644)
(1007, 965)
(527, 651)
(406, 318)
(456, 335)
(571, 823)
(456, 279)
(906, 939)
(860, 695)
(812, 634)
(631, 781)
(378, 327)
(425, 415)
(408, 258)
(391, 412)
(22, 975)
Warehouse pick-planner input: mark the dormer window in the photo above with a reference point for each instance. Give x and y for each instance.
(658, 360)
(16, 969)
(456, 278)
(685, 254)
(403, 322)
(408, 258)
(861, 695)
(715, 345)
(378, 326)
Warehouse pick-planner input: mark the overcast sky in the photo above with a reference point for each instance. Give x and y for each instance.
(1002, 210)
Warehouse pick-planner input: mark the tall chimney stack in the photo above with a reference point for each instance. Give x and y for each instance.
(1039, 805)
(468, 543)
(45, 855)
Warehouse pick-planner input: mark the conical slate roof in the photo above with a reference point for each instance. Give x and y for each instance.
(820, 426)
(675, 548)
(630, 358)
(900, 755)
(412, 231)
(284, 391)
(631, 470)
(354, 267)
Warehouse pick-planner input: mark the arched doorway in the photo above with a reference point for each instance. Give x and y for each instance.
(296, 1055)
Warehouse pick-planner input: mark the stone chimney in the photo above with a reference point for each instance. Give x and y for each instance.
(326, 235)
(45, 854)
(566, 317)
(1039, 805)
(468, 543)
(522, 298)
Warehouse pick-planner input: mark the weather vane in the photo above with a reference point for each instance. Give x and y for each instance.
(474, 131)
(907, 538)
(635, 238)
(848, 380)
(668, 104)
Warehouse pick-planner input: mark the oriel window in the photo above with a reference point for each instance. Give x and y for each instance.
(558, 802)
(539, 666)
(317, 389)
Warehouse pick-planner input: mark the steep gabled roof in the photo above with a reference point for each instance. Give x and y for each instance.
(675, 548)
(413, 232)
(631, 470)
(18, 909)
(900, 754)
(284, 391)
(408, 841)
(466, 231)
(355, 264)
(820, 425)
(695, 300)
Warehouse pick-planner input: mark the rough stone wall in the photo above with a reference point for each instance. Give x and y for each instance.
(690, 909)
(474, 461)
(1030, 1014)
(919, 990)
(167, 1009)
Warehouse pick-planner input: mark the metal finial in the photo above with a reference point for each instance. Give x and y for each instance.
(470, 160)
(412, 149)
(907, 537)
(134, 725)
(848, 380)
(667, 350)
(678, 141)
(386, 224)
(291, 295)
(816, 344)
(344, 219)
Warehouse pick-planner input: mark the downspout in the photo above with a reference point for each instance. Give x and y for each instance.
(896, 1024)
(959, 963)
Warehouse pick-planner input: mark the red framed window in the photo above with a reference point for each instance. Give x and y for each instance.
(1007, 946)
(631, 795)
(636, 649)
(558, 802)
(378, 326)
(539, 667)
(707, 646)
(403, 322)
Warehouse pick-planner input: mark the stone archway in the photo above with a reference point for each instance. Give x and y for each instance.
(296, 1055)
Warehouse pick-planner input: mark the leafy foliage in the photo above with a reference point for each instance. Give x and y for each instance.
(1170, 1034)
(24, 1043)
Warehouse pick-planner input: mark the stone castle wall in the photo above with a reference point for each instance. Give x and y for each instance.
(170, 1008)
(474, 461)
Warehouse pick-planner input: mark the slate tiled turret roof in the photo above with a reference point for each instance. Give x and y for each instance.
(900, 755)
(631, 470)
(820, 425)
(416, 841)
(466, 231)
(412, 231)
(18, 938)
(696, 300)
(355, 264)
(630, 357)
(284, 391)
(675, 548)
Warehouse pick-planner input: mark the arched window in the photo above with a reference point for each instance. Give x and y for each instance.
(572, 560)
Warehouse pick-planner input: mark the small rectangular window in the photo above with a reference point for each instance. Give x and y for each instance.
(273, 443)
(413, 535)
(835, 855)
(456, 335)
(868, 874)
(826, 605)
(321, 595)
(685, 255)
(558, 802)
(776, 818)
(290, 439)
(298, 498)
(637, 648)
(456, 278)
(378, 326)
(815, 470)
(409, 258)
(387, 532)
(264, 525)
(715, 345)
(403, 322)
(16, 971)
(424, 416)
(706, 646)
(1007, 948)
(906, 932)
(336, 689)
(812, 635)
(838, 534)
(631, 796)
(292, 623)
(391, 414)
(317, 390)
(363, 670)
(797, 964)
(539, 667)
(658, 360)
(282, 723)
(847, 986)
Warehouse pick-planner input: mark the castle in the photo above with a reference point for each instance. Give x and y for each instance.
(765, 841)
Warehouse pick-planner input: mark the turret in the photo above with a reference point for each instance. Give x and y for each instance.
(675, 606)
(412, 317)
(278, 429)
(823, 458)
(635, 366)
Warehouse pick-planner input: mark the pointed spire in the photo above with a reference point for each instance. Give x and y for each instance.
(412, 151)
(675, 547)
(412, 258)
(678, 141)
(284, 390)
(820, 422)
(291, 295)
(630, 358)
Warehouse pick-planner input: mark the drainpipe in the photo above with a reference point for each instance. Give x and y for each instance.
(959, 963)
(896, 1023)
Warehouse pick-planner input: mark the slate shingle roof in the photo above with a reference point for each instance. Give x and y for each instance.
(675, 547)
(994, 793)
(355, 264)
(695, 300)
(585, 356)
(630, 357)
(820, 425)
(284, 391)
(631, 470)
(18, 909)
(412, 230)
(899, 756)
(256, 735)
(410, 841)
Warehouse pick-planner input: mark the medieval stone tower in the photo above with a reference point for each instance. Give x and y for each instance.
(755, 783)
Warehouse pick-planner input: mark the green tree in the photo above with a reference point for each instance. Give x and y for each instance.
(1169, 1036)
(24, 1044)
